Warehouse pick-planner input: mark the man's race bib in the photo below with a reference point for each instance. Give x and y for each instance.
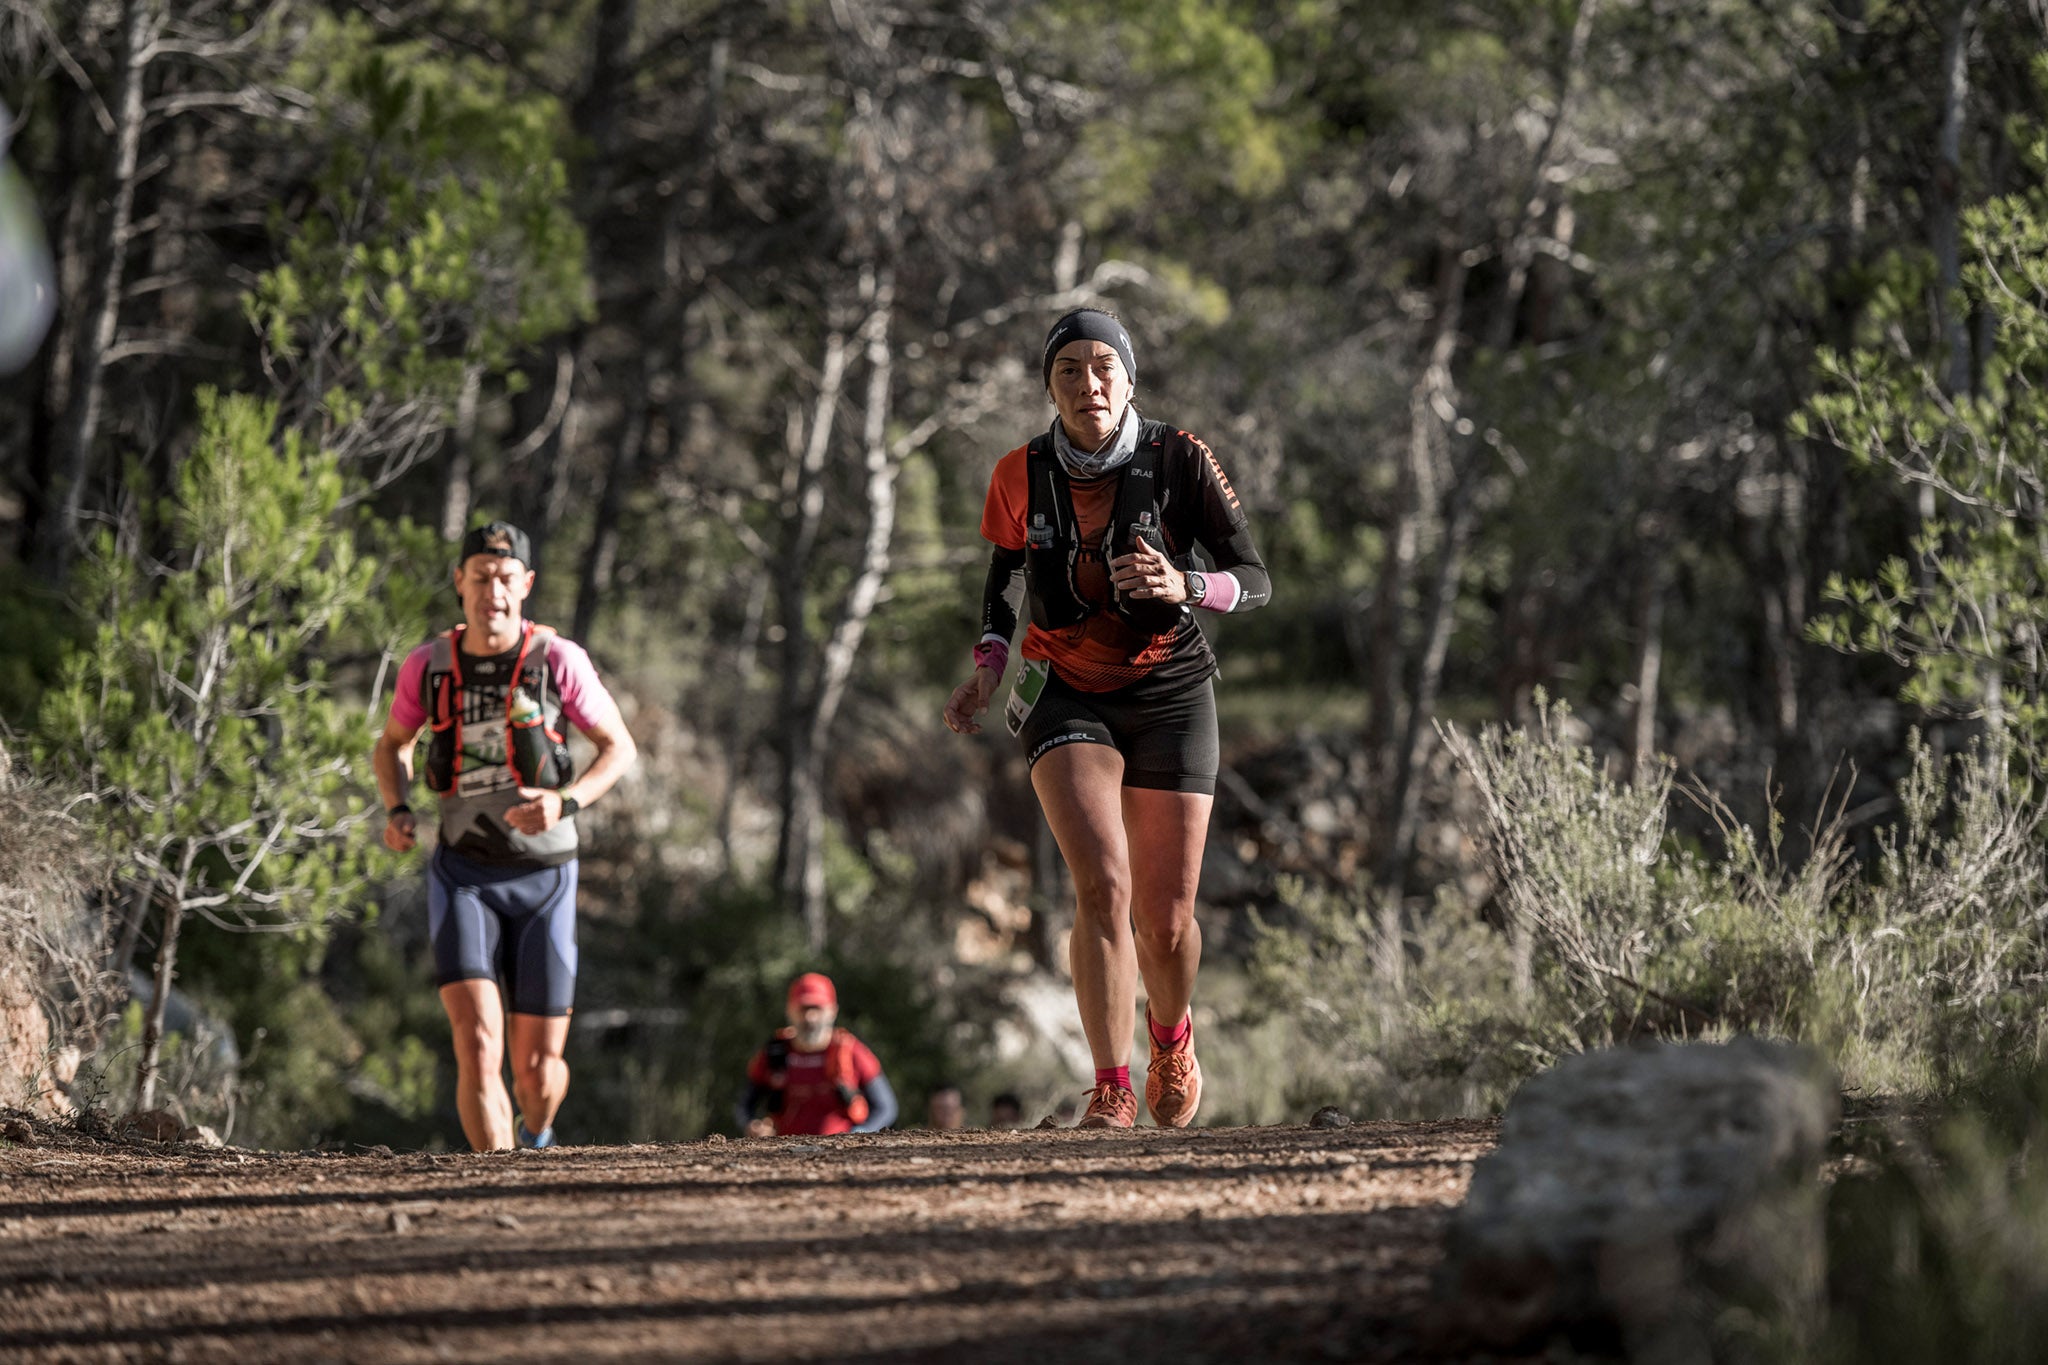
(483, 759)
(1024, 695)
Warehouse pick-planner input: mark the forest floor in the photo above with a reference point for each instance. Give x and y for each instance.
(1231, 1244)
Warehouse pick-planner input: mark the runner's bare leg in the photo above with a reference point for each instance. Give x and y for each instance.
(1079, 788)
(477, 1015)
(540, 1078)
(1167, 831)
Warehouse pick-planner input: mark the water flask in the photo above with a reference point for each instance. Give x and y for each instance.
(527, 740)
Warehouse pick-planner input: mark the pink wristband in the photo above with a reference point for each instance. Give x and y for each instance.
(992, 654)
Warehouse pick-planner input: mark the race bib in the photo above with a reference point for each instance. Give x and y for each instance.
(1024, 695)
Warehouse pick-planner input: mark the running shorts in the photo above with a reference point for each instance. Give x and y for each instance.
(1168, 740)
(512, 925)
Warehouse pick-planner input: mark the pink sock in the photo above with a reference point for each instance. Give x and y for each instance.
(1113, 1075)
(1172, 1038)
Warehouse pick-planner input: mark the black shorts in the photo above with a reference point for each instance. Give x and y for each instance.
(1168, 739)
(512, 925)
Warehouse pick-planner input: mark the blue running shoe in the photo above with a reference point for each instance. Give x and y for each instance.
(544, 1138)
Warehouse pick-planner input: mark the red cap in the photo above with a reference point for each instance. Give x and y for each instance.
(812, 988)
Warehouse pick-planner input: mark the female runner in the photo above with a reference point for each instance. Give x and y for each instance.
(1114, 703)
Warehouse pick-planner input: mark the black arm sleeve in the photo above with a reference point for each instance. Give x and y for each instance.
(1226, 533)
(1003, 594)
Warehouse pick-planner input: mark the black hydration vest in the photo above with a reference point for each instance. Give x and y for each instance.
(1052, 538)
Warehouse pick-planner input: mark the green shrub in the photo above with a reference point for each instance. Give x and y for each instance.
(1616, 929)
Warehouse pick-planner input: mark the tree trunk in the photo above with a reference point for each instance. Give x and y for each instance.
(1649, 633)
(803, 507)
(843, 645)
(559, 451)
(160, 987)
(1428, 399)
(1405, 801)
(457, 490)
(140, 24)
(132, 916)
(595, 579)
(736, 746)
(1945, 225)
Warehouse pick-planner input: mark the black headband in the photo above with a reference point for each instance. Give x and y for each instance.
(1090, 324)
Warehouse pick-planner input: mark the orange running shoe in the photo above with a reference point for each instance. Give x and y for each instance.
(1173, 1082)
(1110, 1106)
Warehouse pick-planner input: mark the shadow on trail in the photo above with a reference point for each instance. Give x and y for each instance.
(363, 1327)
(842, 1172)
(329, 1260)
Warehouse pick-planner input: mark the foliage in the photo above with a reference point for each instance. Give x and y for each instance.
(1932, 959)
(221, 773)
(196, 716)
(1935, 1234)
(1967, 608)
(1450, 1040)
(1646, 233)
(437, 247)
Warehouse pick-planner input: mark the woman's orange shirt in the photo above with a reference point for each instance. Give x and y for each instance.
(1100, 652)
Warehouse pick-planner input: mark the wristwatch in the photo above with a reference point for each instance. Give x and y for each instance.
(1197, 587)
(400, 809)
(570, 805)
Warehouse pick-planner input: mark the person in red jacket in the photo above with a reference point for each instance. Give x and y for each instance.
(814, 1077)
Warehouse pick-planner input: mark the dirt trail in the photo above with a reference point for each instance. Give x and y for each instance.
(1210, 1245)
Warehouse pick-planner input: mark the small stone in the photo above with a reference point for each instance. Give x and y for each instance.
(399, 1222)
(508, 1222)
(1047, 1122)
(18, 1132)
(1329, 1116)
(202, 1135)
(154, 1125)
(716, 1139)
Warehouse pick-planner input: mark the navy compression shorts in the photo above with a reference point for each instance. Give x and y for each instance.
(512, 925)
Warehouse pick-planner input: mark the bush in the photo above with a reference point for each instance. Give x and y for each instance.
(1615, 929)
(1938, 1237)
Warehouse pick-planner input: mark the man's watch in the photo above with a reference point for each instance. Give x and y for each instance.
(1198, 587)
(570, 805)
(401, 808)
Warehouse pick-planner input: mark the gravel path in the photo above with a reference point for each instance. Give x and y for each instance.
(1218, 1245)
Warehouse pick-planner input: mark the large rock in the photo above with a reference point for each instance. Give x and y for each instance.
(1663, 1195)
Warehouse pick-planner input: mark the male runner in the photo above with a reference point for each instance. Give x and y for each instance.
(501, 888)
(814, 1078)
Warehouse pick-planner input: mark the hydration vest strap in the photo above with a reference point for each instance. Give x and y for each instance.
(1137, 517)
(1052, 542)
(1053, 539)
(838, 1070)
(447, 698)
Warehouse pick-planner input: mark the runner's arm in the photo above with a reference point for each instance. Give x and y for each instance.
(992, 654)
(1001, 596)
(1238, 581)
(606, 729)
(391, 760)
(882, 1107)
(745, 1110)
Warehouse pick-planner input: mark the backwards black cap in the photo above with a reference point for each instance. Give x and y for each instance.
(1090, 324)
(500, 538)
